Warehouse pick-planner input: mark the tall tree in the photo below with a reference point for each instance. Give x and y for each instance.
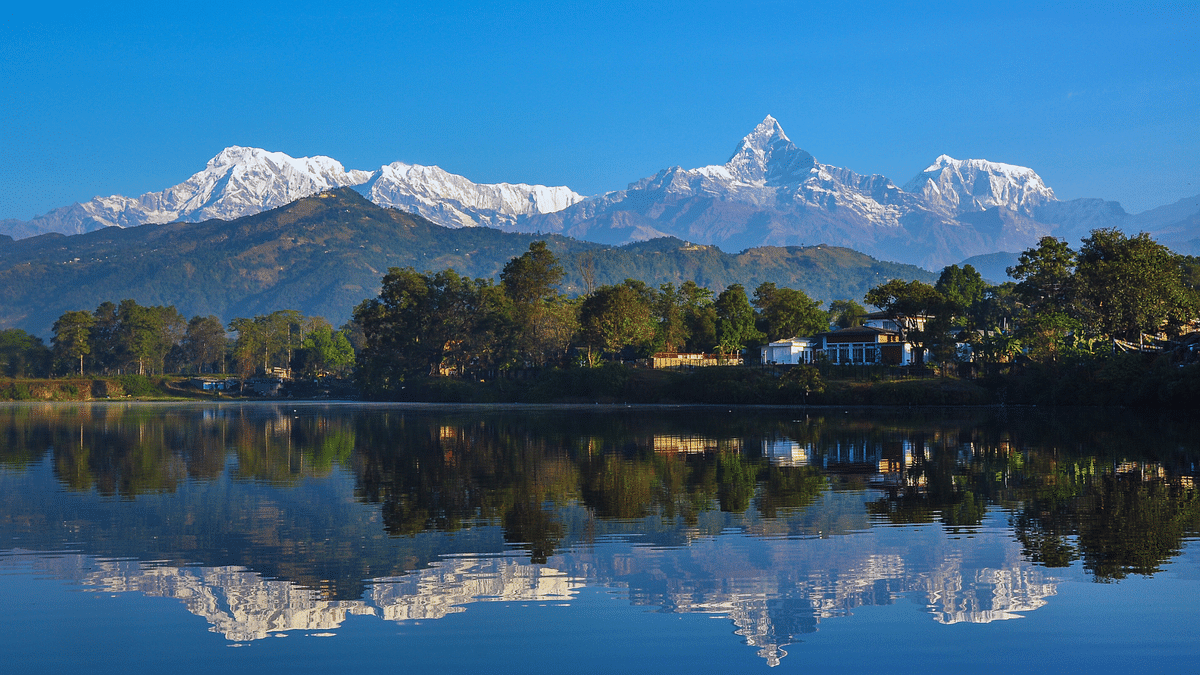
(107, 351)
(72, 333)
(324, 351)
(1043, 275)
(699, 316)
(421, 322)
(616, 317)
(204, 343)
(249, 346)
(962, 287)
(735, 320)
(670, 311)
(147, 334)
(907, 303)
(533, 275)
(847, 314)
(788, 312)
(1129, 286)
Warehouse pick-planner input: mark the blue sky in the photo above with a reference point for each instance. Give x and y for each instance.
(1101, 99)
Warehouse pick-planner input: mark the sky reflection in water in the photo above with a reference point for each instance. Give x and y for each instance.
(297, 520)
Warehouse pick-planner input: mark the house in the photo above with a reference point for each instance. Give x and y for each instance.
(213, 384)
(858, 345)
(883, 320)
(868, 345)
(792, 351)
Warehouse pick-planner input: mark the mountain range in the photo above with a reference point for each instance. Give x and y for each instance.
(324, 254)
(769, 193)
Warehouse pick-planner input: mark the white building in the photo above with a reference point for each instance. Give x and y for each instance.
(793, 351)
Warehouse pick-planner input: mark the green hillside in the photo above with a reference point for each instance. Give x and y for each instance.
(324, 254)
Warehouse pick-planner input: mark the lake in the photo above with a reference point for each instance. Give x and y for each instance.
(418, 538)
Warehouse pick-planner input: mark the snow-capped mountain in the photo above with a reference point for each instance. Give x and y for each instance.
(453, 201)
(243, 181)
(771, 192)
(955, 186)
(237, 182)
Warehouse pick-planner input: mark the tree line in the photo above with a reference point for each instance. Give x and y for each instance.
(128, 338)
(1113, 291)
(435, 323)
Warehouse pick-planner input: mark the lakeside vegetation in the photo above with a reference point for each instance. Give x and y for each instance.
(1110, 324)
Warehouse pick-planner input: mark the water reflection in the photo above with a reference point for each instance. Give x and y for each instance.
(270, 518)
(772, 590)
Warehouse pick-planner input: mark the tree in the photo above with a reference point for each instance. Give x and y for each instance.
(1129, 286)
(22, 354)
(539, 334)
(735, 320)
(906, 303)
(585, 264)
(107, 351)
(420, 324)
(282, 332)
(539, 327)
(204, 343)
(700, 317)
(248, 346)
(1043, 276)
(788, 312)
(962, 287)
(616, 317)
(72, 333)
(324, 351)
(146, 334)
(919, 311)
(532, 276)
(670, 311)
(847, 314)
(999, 308)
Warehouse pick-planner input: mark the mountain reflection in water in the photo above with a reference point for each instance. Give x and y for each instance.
(272, 518)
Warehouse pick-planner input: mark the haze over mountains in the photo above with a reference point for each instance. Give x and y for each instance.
(770, 192)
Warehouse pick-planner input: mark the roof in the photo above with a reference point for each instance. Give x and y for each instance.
(791, 340)
(860, 330)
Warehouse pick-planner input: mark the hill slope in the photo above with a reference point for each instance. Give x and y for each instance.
(324, 254)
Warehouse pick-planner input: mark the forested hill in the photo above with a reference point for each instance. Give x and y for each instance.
(324, 254)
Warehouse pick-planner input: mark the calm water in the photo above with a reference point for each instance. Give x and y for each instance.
(138, 538)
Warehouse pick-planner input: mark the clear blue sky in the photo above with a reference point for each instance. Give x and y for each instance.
(1101, 99)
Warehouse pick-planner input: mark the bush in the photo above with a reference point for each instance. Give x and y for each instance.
(138, 385)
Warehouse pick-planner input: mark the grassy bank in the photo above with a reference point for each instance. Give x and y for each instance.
(94, 389)
(1130, 381)
(739, 386)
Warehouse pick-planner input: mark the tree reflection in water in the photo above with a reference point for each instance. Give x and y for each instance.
(221, 485)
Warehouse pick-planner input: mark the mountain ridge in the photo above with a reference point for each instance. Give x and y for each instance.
(770, 192)
(324, 254)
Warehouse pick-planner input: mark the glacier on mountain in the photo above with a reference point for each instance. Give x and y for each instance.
(453, 201)
(242, 181)
(955, 186)
(769, 193)
(772, 193)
